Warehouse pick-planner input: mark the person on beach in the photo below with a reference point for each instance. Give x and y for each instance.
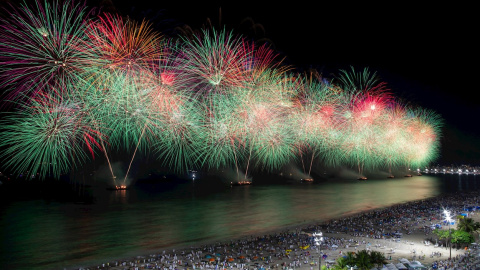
(378, 230)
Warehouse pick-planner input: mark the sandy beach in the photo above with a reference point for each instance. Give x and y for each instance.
(401, 231)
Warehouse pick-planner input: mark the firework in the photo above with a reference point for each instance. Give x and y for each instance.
(213, 62)
(122, 45)
(48, 137)
(260, 64)
(40, 47)
(422, 130)
(268, 134)
(392, 137)
(365, 100)
(314, 108)
(109, 84)
(179, 134)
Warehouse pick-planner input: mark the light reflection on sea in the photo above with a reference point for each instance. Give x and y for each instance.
(36, 234)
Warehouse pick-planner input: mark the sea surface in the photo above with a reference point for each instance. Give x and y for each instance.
(41, 233)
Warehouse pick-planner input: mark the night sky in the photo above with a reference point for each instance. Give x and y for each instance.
(424, 53)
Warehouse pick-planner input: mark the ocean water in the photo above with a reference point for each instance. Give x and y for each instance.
(155, 216)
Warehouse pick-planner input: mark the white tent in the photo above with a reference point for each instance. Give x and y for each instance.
(416, 265)
(391, 266)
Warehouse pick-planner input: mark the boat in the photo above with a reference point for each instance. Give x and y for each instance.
(419, 174)
(241, 183)
(390, 176)
(408, 175)
(121, 187)
(307, 180)
(362, 178)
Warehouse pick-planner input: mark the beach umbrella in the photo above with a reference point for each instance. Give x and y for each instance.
(211, 260)
(241, 257)
(208, 256)
(230, 259)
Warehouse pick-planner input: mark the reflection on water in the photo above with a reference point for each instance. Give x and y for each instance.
(147, 218)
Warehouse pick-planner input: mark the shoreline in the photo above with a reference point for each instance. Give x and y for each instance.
(348, 233)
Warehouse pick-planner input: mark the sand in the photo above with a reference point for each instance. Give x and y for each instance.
(293, 248)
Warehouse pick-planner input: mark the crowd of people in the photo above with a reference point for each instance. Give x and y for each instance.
(399, 231)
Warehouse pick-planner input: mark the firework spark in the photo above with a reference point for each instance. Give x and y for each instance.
(86, 86)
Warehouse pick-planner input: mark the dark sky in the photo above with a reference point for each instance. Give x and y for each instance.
(424, 53)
